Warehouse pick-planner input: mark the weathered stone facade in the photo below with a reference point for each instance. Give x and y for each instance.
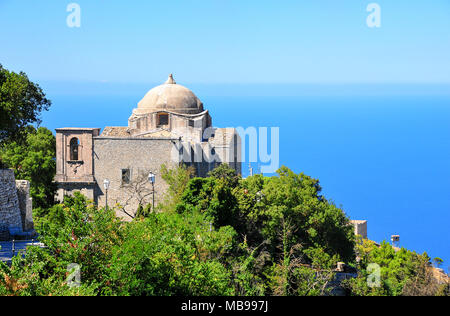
(15, 203)
(169, 126)
(360, 227)
(25, 204)
(9, 202)
(140, 157)
(75, 172)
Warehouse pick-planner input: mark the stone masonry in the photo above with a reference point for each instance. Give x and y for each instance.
(25, 204)
(140, 156)
(15, 205)
(360, 227)
(9, 202)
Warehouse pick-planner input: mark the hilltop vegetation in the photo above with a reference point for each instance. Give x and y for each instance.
(220, 235)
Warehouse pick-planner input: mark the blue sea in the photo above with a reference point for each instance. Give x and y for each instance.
(383, 155)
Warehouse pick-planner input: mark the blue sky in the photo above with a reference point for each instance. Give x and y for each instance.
(228, 41)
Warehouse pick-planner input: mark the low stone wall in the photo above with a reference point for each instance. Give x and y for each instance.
(9, 202)
(25, 204)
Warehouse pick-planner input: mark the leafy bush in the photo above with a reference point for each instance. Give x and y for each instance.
(402, 272)
(171, 254)
(73, 232)
(33, 159)
(286, 214)
(225, 236)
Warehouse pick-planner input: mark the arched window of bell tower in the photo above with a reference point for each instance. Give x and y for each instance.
(74, 146)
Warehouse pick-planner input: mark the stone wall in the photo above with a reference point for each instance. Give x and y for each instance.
(25, 204)
(139, 156)
(68, 189)
(360, 227)
(9, 202)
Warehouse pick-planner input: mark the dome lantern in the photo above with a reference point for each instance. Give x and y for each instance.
(170, 80)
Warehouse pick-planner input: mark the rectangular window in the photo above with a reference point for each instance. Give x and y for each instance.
(126, 176)
(163, 119)
(191, 123)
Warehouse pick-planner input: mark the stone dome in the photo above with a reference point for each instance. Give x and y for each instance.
(172, 97)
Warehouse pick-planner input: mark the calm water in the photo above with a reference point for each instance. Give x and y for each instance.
(384, 159)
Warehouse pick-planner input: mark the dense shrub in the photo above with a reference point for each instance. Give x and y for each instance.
(220, 235)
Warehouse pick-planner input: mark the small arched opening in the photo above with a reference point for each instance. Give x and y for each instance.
(74, 148)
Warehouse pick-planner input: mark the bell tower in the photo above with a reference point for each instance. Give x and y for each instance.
(74, 162)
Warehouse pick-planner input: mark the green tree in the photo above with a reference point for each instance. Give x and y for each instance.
(402, 272)
(21, 102)
(177, 180)
(33, 159)
(213, 197)
(226, 173)
(287, 214)
(259, 208)
(172, 254)
(318, 224)
(75, 232)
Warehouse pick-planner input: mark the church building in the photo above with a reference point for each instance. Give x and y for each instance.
(169, 126)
